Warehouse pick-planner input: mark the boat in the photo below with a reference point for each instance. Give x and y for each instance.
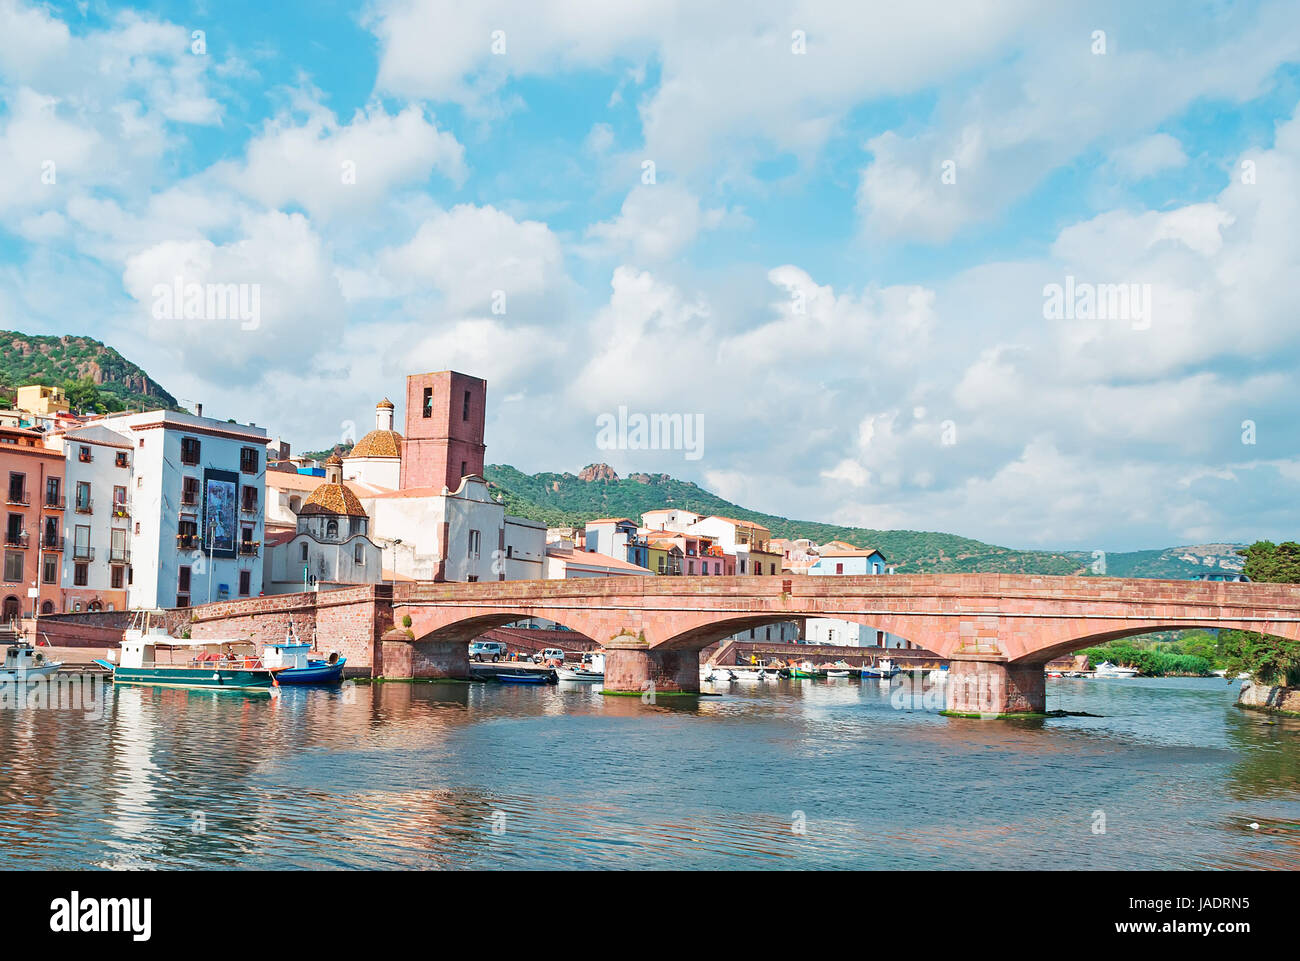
(719, 675)
(1107, 669)
(24, 663)
(837, 673)
(882, 670)
(230, 665)
(532, 677)
(295, 664)
(592, 668)
(806, 672)
(747, 673)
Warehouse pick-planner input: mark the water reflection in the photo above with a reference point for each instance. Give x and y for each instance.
(793, 774)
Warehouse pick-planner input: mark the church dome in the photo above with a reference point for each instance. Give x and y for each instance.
(386, 404)
(379, 443)
(333, 499)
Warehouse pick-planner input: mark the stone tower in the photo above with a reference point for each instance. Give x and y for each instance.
(444, 429)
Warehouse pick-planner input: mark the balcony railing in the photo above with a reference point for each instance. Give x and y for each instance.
(119, 555)
(187, 542)
(15, 540)
(248, 507)
(85, 457)
(52, 543)
(121, 510)
(190, 500)
(83, 552)
(249, 548)
(18, 497)
(85, 507)
(55, 503)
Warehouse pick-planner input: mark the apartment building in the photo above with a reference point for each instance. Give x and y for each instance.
(29, 468)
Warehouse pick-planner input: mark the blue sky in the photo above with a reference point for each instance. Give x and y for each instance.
(839, 266)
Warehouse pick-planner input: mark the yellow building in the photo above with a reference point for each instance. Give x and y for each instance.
(42, 401)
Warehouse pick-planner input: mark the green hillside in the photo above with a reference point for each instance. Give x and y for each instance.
(561, 500)
(60, 361)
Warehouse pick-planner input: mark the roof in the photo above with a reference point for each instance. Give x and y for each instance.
(378, 443)
(333, 499)
(386, 404)
(388, 575)
(611, 520)
(593, 560)
(731, 520)
(276, 538)
(856, 552)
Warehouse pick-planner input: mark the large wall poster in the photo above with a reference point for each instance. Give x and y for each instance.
(220, 512)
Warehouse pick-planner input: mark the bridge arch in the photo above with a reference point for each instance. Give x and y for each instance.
(1068, 645)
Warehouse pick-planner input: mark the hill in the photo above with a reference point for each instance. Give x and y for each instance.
(562, 500)
(34, 359)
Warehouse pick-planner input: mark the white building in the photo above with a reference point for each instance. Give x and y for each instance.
(197, 495)
(377, 458)
(94, 532)
(829, 630)
(331, 543)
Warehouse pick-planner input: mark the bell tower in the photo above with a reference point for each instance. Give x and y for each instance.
(445, 412)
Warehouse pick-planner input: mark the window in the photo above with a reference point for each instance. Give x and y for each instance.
(464, 414)
(119, 502)
(839, 568)
(304, 550)
(81, 543)
(428, 402)
(118, 577)
(13, 565)
(120, 460)
(182, 600)
(14, 531)
(742, 567)
(183, 580)
(510, 551)
(248, 460)
(50, 569)
(358, 553)
(17, 488)
(117, 553)
(249, 499)
(245, 582)
(51, 535)
(473, 578)
(462, 468)
(80, 574)
(84, 455)
(474, 538)
(332, 529)
(187, 532)
(190, 450)
(189, 490)
(52, 498)
(83, 497)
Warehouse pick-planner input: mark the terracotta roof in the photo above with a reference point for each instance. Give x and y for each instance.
(379, 443)
(731, 520)
(333, 499)
(388, 575)
(276, 538)
(611, 520)
(334, 459)
(388, 405)
(593, 559)
(863, 552)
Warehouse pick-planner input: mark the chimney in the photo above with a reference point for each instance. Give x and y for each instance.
(198, 410)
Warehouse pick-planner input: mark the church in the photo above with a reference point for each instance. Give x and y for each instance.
(426, 505)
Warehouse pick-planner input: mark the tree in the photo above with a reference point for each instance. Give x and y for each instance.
(83, 395)
(1269, 660)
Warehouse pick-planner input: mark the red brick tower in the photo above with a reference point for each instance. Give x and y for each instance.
(444, 429)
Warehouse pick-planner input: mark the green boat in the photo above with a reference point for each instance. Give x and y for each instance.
(149, 655)
(800, 672)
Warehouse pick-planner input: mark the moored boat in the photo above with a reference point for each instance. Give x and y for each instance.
(531, 677)
(591, 668)
(882, 670)
(149, 655)
(24, 663)
(295, 664)
(1107, 669)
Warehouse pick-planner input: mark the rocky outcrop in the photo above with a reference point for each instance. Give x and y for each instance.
(597, 472)
(1264, 697)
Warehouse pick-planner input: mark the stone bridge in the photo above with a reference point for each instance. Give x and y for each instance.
(997, 629)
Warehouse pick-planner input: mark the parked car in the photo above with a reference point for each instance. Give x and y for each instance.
(484, 650)
(550, 654)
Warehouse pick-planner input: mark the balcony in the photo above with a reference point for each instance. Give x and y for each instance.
(248, 507)
(83, 552)
(85, 507)
(121, 510)
(16, 539)
(249, 548)
(85, 457)
(51, 543)
(187, 542)
(55, 503)
(190, 500)
(18, 497)
(119, 555)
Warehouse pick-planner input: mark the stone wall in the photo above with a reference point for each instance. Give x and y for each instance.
(96, 628)
(1266, 698)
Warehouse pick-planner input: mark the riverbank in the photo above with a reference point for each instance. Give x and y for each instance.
(1264, 697)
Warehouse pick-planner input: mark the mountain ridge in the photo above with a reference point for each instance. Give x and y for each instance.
(56, 360)
(565, 499)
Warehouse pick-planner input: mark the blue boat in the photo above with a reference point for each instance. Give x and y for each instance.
(532, 677)
(293, 663)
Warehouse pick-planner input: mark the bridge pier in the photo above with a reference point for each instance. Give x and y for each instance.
(401, 658)
(991, 688)
(632, 666)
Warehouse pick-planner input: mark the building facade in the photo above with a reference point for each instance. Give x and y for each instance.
(96, 568)
(29, 469)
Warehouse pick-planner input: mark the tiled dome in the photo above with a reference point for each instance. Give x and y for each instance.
(333, 499)
(379, 443)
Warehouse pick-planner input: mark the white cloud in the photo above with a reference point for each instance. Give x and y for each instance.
(1149, 156)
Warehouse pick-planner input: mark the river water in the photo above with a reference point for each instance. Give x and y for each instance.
(798, 774)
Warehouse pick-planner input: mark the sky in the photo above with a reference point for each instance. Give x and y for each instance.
(1024, 272)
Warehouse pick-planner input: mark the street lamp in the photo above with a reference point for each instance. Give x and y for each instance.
(395, 541)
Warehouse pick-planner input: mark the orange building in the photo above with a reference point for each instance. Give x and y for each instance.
(33, 474)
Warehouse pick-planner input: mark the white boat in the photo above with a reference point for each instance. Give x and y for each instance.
(837, 673)
(1107, 669)
(746, 673)
(719, 675)
(24, 662)
(592, 668)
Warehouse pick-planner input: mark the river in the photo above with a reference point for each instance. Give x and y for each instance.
(798, 774)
